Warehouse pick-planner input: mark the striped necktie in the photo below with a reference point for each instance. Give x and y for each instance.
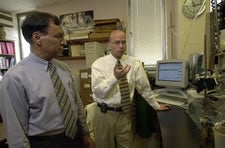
(125, 93)
(64, 102)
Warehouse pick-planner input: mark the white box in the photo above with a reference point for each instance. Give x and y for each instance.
(94, 50)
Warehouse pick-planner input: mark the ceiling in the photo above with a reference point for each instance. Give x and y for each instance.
(16, 6)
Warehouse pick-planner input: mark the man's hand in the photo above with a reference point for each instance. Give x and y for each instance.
(164, 107)
(121, 72)
(88, 142)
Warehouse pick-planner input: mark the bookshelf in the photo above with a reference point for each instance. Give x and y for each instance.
(7, 55)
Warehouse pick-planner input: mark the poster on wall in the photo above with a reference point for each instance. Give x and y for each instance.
(77, 22)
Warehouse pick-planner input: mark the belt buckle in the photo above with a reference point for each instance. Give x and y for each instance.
(103, 107)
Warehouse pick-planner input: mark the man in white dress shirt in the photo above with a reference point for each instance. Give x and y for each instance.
(112, 127)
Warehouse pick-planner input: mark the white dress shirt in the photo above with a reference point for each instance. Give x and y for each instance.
(105, 86)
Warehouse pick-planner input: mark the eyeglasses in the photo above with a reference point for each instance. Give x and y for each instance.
(119, 42)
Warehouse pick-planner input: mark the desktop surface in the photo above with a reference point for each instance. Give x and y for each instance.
(177, 129)
(173, 101)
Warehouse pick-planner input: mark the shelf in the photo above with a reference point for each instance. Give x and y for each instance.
(71, 58)
(3, 40)
(4, 69)
(9, 55)
(81, 41)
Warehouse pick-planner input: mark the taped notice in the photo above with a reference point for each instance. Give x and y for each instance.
(84, 75)
(87, 85)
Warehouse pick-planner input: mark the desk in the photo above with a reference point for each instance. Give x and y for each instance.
(177, 129)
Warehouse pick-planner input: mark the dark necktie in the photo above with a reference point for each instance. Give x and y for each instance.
(125, 93)
(64, 102)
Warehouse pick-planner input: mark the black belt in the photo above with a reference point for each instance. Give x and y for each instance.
(104, 108)
(55, 141)
(48, 138)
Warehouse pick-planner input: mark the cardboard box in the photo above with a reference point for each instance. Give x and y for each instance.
(85, 86)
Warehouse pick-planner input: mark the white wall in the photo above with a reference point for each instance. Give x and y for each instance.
(184, 36)
(103, 9)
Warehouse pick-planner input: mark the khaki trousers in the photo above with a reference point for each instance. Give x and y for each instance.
(112, 130)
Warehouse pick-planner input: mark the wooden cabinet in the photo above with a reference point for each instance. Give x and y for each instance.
(7, 55)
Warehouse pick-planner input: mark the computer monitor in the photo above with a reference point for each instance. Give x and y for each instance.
(172, 74)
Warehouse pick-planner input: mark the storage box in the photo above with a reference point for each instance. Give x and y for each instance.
(94, 50)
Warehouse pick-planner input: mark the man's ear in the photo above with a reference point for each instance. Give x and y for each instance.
(36, 37)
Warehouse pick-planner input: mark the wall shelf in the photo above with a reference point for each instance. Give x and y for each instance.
(82, 41)
(71, 58)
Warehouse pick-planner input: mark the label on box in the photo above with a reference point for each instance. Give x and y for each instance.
(84, 75)
(87, 85)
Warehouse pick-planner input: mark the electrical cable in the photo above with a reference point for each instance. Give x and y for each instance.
(190, 27)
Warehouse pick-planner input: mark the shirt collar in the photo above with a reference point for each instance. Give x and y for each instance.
(43, 63)
(115, 59)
